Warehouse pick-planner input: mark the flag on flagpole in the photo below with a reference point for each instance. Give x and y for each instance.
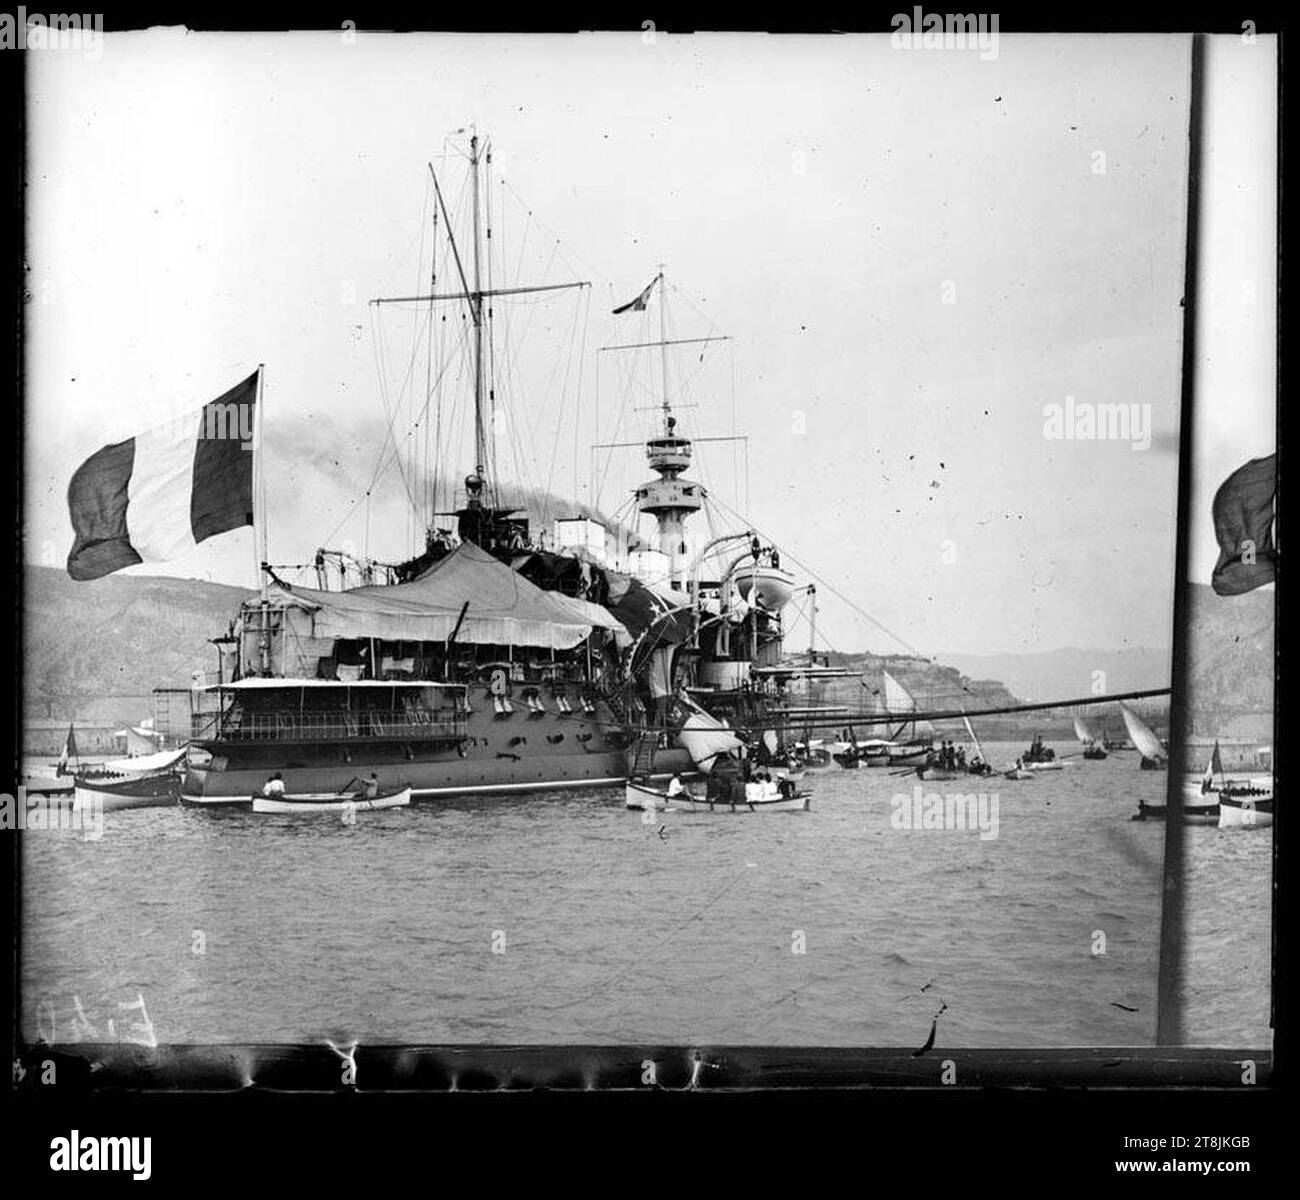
(638, 305)
(1213, 768)
(1243, 525)
(154, 496)
(69, 752)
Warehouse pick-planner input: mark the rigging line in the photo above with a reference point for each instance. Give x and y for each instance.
(862, 612)
(577, 419)
(555, 442)
(542, 225)
(379, 468)
(618, 425)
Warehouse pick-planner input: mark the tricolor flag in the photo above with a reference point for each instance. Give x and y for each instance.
(638, 305)
(69, 752)
(154, 496)
(1214, 768)
(1243, 525)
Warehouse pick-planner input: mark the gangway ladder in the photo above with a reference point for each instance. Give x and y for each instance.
(643, 756)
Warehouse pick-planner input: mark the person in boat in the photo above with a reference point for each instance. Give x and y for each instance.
(961, 758)
(370, 787)
(677, 788)
(274, 787)
(786, 788)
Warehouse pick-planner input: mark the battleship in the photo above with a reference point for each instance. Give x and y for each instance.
(490, 662)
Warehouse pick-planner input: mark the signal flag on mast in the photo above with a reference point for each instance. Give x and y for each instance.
(638, 305)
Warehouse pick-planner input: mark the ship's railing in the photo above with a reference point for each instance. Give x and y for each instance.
(293, 726)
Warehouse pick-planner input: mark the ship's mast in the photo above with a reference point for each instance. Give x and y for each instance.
(476, 309)
(474, 293)
(663, 343)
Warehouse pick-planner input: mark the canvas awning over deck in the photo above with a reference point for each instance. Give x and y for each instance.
(505, 609)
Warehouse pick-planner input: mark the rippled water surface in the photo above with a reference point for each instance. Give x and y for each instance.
(683, 930)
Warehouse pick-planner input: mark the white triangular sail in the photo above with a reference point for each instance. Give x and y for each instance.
(971, 734)
(897, 698)
(1140, 734)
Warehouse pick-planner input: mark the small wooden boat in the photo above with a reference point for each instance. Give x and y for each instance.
(1048, 765)
(1092, 744)
(331, 802)
(1193, 814)
(939, 773)
(644, 796)
(154, 791)
(1018, 773)
(908, 753)
(849, 759)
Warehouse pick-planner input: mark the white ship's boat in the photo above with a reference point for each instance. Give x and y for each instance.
(1055, 764)
(331, 802)
(649, 798)
(1239, 811)
(768, 586)
(140, 766)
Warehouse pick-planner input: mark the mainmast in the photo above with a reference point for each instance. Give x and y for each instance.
(487, 527)
(476, 309)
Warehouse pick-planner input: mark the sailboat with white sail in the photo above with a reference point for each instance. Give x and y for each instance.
(915, 748)
(1154, 755)
(1093, 747)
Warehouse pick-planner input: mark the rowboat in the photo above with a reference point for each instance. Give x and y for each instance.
(647, 798)
(331, 802)
(154, 791)
(939, 773)
(1193, 814)
(1052, 765)
(908, 753)
(1018, 773)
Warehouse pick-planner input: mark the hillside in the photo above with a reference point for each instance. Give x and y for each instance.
(1231, 664)
(97, 650)
(1070, 671)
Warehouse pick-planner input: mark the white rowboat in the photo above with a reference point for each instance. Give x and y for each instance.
(646, 798)
(330, 802)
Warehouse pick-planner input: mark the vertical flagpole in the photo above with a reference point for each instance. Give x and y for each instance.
(259, 486)
(1170, 982)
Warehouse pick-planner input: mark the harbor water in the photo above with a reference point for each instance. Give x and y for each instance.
(566, 918)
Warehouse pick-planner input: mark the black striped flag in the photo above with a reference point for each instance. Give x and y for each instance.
(1243, 525)
(156, 495)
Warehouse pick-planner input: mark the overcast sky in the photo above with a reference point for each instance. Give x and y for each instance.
(914, 252)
